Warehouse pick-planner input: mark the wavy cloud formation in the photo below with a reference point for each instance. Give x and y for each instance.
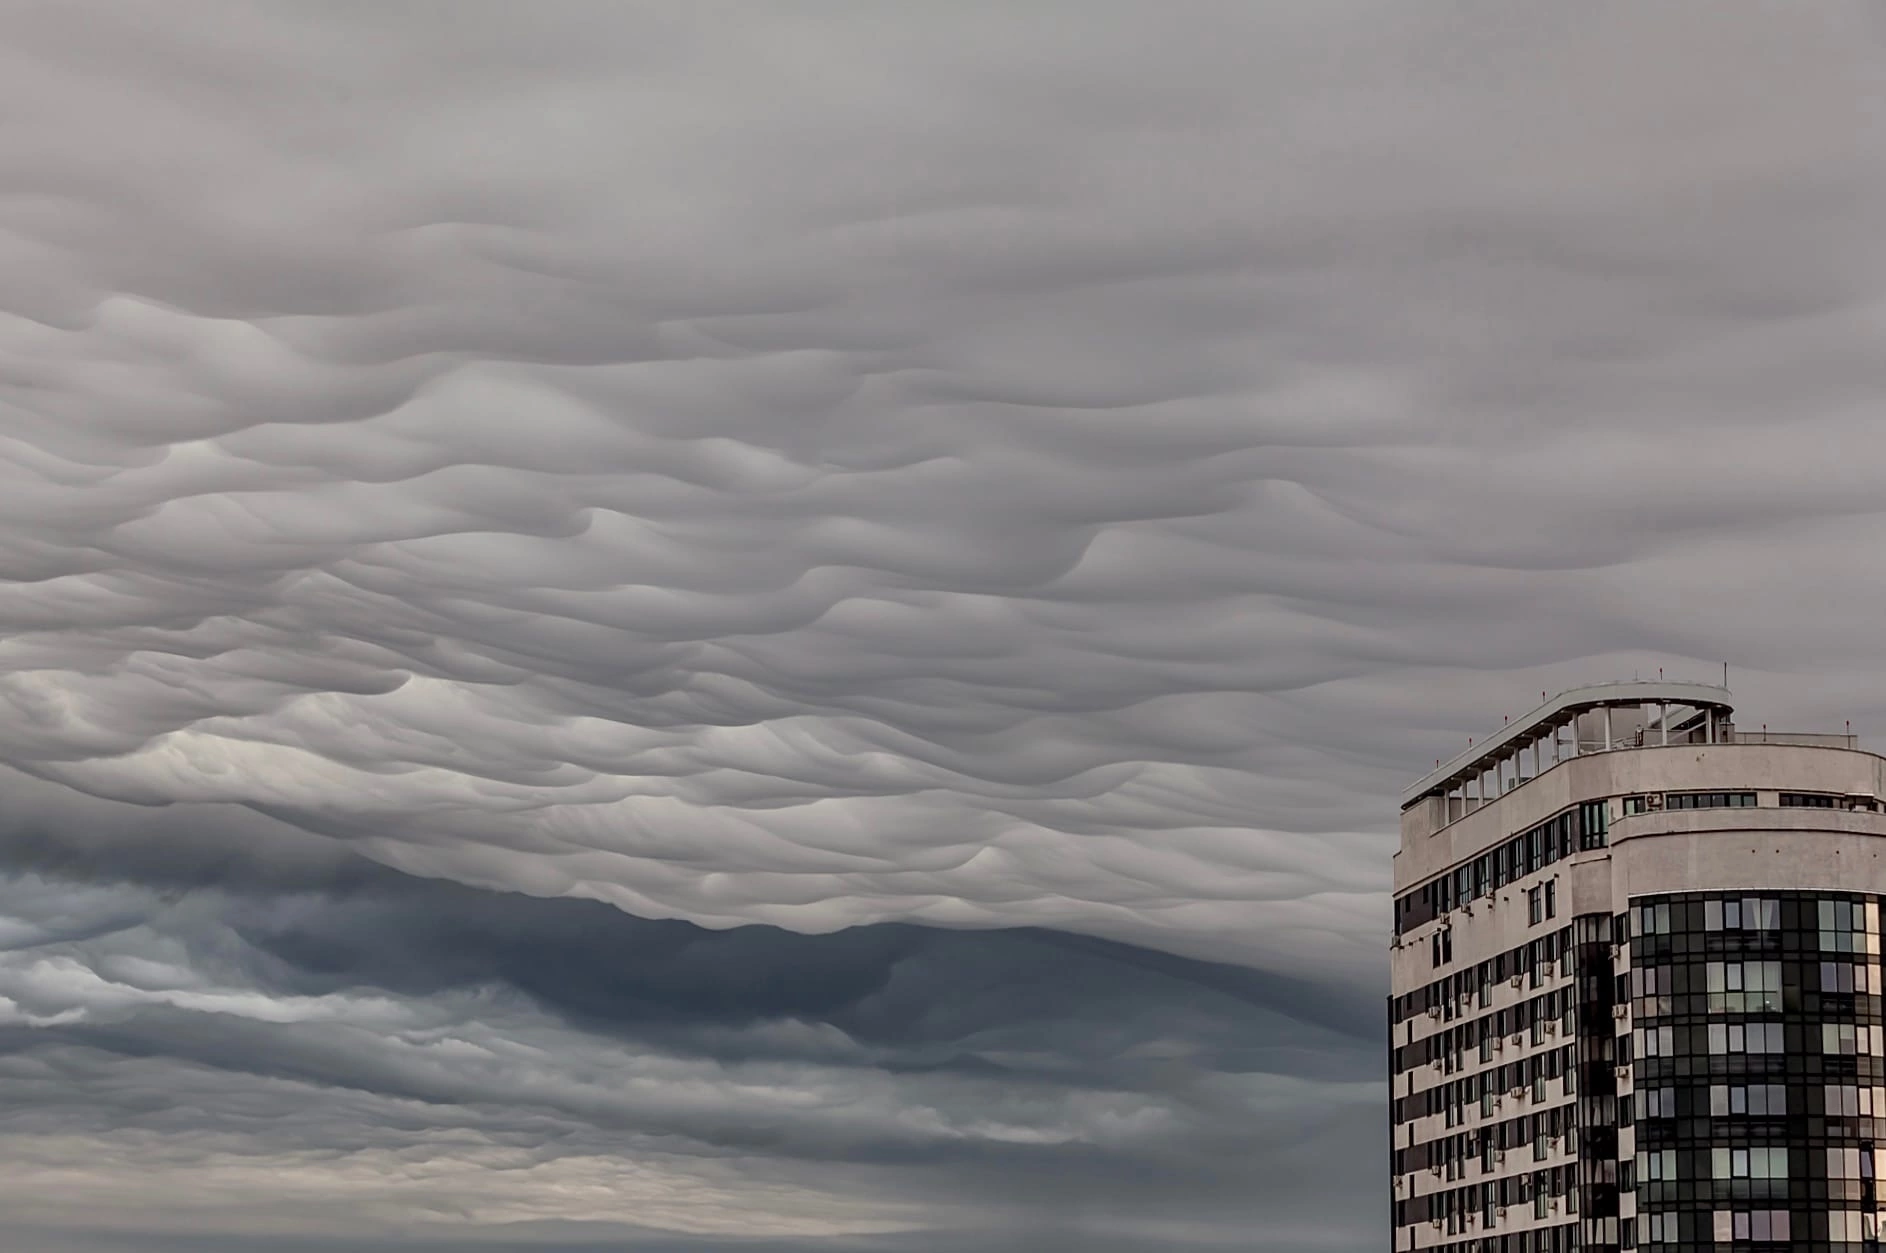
(820, 471)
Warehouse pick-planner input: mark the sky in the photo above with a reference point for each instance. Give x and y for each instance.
(794, 628)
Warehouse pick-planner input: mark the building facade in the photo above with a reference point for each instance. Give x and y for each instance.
(1636, 985)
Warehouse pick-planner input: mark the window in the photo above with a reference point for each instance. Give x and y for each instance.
(1743, 987)
(1654, 984)
(1759, 1162)
(1591, 824)
(1709, 800)
(1761, 1224)
(1657, 1229)
(1841, 977)
(1748, 914)
(1656, 1167)
(1656, 1041)
(1807, 800)
(1658, 1102)
(1849, 1227)
(1753, 1037)
(1727, 1101)
(1848, 926)
(1849, 1163)
(1535, 907)
(1845, 1101)
(1846, 1037)
(1551, 898)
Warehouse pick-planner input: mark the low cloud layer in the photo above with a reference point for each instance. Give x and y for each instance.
(838, 471)
(446, 1063)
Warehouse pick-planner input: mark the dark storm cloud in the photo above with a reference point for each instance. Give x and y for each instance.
(1054, 468)
(399, 1041)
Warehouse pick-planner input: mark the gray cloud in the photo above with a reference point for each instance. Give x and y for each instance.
(823, 472)
(442, 1057)
(836, 470)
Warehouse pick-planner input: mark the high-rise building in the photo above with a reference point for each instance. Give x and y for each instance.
(1637, 986)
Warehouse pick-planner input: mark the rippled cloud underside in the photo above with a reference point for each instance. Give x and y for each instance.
(795, 627)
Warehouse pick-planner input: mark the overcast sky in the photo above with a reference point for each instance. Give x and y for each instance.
(783, 627)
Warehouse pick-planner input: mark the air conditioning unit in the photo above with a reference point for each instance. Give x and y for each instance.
(1499, 1159)
(1517, 1092)
(1620, 1011)
(1518, 1038)
(1653, 801)
(1551, 1027)
(1623, 1072)
(1467, 909)
(1435, 1170)
(1516, 980)
(1434, 1011)
(1500, 1212)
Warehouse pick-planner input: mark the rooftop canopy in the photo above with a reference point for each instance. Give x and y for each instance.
(1542, 725)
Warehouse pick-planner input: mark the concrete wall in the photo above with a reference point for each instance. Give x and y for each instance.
(1427, 849)
(1726, 849)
